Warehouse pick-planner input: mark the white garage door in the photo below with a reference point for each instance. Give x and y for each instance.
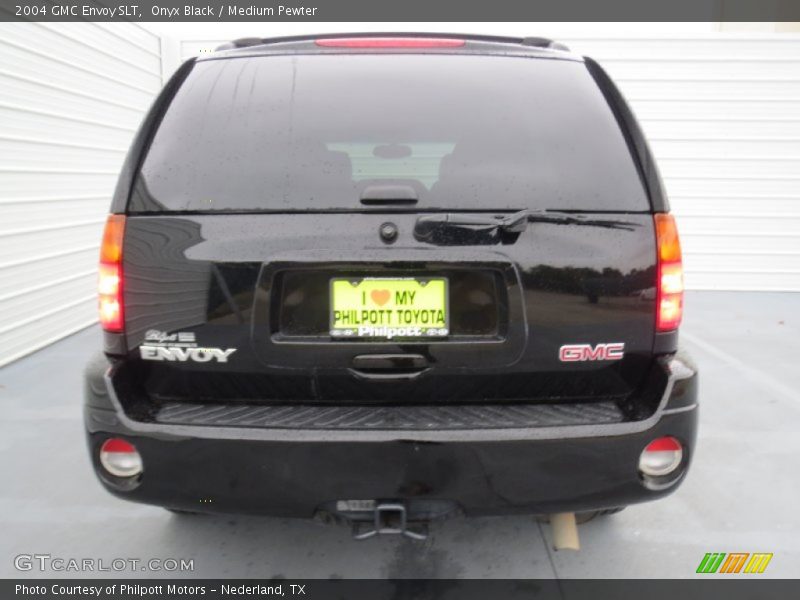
(71, 97)
(722, 112)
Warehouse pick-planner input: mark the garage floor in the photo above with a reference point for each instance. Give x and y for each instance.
(741, 495)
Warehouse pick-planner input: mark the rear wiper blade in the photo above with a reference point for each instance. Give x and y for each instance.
(565, 218)
(513, 223)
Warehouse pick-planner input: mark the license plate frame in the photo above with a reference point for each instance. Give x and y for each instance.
(392, 324)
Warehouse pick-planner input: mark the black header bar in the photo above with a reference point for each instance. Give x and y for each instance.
(740, 588)
(400, 10)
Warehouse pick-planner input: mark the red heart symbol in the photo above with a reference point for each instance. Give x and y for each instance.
(380, 297)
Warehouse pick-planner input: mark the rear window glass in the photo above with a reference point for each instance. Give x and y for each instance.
(313, 132)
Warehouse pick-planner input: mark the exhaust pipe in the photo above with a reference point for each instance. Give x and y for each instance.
(565, 531)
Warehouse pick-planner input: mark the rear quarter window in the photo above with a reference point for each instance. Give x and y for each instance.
(311, 132)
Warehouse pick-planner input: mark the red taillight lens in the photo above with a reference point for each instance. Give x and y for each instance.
(117, 445)
(108, 288)
(389, 42)
(670, 274)
(109, 284)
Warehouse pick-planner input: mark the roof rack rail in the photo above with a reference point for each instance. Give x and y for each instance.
(240, 43)
(541, 42)
(537, 42)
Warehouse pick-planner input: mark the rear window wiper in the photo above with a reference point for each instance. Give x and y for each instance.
(513, 223)
(565, 218)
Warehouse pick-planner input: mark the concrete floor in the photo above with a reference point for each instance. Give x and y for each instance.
(741, 495)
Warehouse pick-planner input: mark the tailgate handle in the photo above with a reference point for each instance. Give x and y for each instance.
(389, 194)
(390, 362)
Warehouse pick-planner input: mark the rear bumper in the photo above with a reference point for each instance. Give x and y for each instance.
(295, 472)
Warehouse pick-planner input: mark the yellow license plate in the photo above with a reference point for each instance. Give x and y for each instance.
(381, 307)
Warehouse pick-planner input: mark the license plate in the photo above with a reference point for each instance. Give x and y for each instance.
(382, 307)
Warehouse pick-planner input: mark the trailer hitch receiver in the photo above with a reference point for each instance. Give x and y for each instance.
(390, 518)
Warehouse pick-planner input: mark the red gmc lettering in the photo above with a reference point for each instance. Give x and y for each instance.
(587, 352)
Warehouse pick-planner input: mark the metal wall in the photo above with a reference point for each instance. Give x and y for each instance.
(722, 113)
(71, 96)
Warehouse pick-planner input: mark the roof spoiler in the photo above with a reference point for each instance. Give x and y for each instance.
(536, 42)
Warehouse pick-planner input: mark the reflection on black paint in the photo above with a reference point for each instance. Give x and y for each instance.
(230, 297)
(594, 283)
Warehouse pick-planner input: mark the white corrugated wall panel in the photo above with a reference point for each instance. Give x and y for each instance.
(71, 97)
(722, 113)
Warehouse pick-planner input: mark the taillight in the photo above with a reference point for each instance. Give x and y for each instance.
(670, 274)
(109, 284)
(389, 42)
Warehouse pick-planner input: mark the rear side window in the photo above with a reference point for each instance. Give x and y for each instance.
(312, 132)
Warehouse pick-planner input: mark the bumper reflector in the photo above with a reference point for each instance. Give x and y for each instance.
(120, 458)
(661, 457)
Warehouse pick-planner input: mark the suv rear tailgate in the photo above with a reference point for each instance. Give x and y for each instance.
(513, 305)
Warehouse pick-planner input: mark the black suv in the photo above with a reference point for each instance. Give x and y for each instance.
(390, 278)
